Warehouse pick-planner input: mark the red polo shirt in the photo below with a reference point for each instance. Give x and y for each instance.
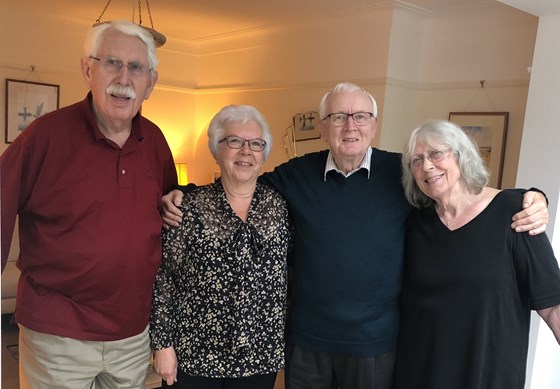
(89, 220)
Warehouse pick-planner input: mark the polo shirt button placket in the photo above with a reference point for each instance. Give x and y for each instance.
(124, 178)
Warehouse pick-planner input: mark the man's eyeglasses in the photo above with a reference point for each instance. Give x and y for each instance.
(235, 142)
(340, 118)
(112, 65)
(434, 156)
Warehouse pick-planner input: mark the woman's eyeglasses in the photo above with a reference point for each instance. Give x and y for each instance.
(235, 142)
(434, 156)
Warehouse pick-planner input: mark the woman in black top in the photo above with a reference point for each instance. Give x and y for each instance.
(470, 281)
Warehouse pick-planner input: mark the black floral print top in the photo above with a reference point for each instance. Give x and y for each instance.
(220, 293)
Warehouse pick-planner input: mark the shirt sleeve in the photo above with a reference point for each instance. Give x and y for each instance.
(537, 271)
(186, 188)
(19, 165)
(162, 323)
(278, 179)
(532, 189)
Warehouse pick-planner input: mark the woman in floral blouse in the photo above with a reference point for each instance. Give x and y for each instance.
(220, 294)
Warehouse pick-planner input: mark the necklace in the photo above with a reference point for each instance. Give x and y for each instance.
(443, 219)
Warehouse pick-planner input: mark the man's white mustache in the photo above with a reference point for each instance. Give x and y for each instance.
(121, 91)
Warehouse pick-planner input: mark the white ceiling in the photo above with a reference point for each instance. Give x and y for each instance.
(201, 19)
(536, 7)
(195, 20)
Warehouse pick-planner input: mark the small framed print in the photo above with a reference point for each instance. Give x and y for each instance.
(26, 101)
(306, 126)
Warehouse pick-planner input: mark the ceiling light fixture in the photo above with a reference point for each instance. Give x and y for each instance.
(158, 37)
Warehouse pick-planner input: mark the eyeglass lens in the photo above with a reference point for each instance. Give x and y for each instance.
(433, 156)
(235, 142)
(340, 118)
(114, 66)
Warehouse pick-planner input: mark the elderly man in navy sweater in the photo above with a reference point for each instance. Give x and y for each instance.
(349, 212)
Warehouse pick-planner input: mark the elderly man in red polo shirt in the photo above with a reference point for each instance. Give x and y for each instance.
(86, 181)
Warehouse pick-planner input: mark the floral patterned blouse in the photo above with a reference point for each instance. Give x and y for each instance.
(220, 293)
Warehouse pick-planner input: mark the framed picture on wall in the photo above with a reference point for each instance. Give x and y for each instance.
(306, 126)
(26, 101)
(489, 131)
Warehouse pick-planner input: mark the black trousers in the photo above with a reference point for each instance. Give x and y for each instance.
(309, 369)
(185, 381)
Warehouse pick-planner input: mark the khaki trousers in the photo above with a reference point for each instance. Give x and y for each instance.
(55, 362)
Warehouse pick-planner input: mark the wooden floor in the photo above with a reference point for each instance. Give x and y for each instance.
(9, 370)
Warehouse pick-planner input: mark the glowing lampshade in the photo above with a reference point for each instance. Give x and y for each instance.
(182, 176)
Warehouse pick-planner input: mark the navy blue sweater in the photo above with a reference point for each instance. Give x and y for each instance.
(348, 253)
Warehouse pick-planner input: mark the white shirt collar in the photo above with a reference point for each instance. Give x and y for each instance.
(331, 165)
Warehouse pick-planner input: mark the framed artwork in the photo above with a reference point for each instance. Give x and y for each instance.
(26, 101)
(306, 126)
(489, 131)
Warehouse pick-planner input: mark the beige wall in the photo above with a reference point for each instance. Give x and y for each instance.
(438, 62)
(418, 67)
